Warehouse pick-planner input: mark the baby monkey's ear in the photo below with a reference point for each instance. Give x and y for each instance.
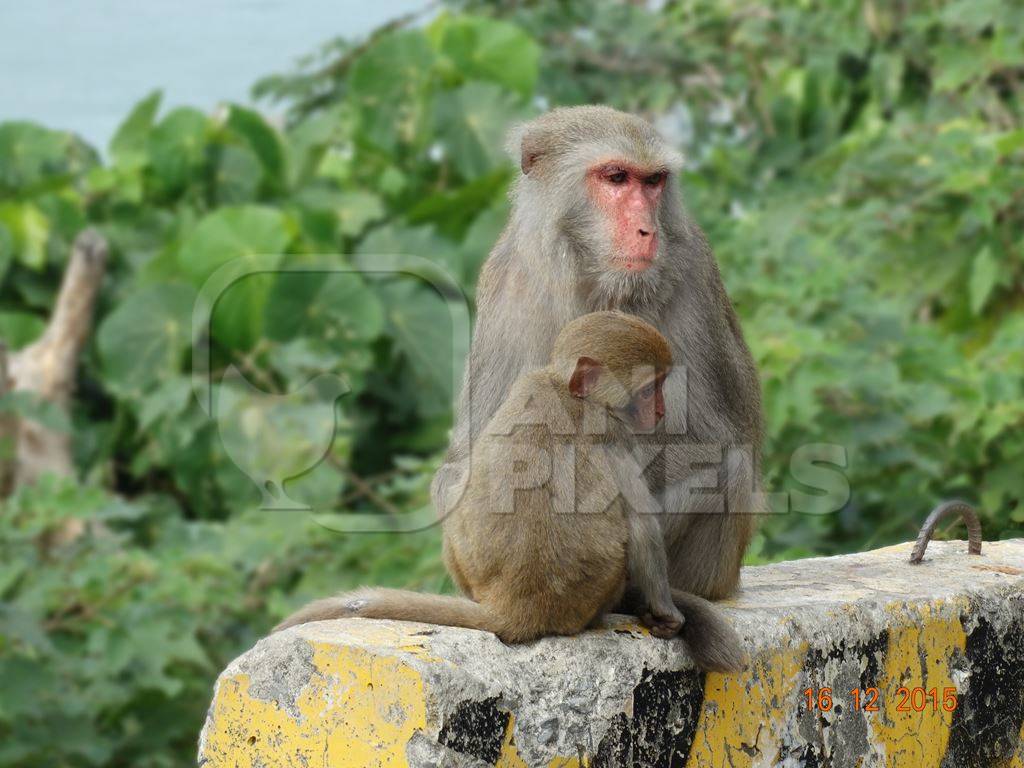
(584, 378)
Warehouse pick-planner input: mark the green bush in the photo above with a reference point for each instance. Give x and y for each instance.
(118, 615)
(858, 167)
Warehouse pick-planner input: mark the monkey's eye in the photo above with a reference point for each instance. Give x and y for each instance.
(647, 392)
(619, 177)
(654, 179)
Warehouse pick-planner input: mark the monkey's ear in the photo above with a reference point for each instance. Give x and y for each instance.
(584, 378)
(526, 143)
(529, 153)
(526, 163)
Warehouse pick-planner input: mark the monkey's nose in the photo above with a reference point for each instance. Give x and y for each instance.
(644, 232)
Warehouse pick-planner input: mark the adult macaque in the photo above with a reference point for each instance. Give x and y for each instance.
(556, 513)
(597, 223)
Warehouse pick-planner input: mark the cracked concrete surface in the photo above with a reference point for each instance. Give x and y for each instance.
(376, 693)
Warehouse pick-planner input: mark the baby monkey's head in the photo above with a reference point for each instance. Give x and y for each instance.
(617, 360)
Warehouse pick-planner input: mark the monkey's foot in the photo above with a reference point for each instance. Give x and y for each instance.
(663, 624)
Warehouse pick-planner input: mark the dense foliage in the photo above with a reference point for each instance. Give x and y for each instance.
(857, 165)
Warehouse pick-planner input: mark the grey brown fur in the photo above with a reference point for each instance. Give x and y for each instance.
(557, 517)
(552, 264)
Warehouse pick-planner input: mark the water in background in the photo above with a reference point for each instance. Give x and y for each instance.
(81, 65)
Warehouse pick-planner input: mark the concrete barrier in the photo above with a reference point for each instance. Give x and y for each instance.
(861, 660)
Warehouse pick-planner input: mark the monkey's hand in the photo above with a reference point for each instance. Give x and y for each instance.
(664, 621)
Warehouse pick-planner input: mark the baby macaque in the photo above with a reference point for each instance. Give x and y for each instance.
(555, 518)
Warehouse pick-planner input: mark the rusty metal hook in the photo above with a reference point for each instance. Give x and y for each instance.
(970, 517)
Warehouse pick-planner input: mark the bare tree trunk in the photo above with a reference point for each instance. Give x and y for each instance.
(48, 366)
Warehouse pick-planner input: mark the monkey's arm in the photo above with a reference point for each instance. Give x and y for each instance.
(713, 642)
(707, 533)
(648, 562)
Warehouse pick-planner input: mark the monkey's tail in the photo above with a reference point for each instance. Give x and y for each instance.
(400, 604)
(714, 644)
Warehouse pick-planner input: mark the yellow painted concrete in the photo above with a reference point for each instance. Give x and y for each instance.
(509, 754)
(361, 707)
(918, 657)
(367, 695)
(746, 709)
(358, 709)
(568, 762)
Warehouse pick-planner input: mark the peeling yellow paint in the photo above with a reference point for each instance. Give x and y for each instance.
(747, 709)
(623, 623)
(407, 637)
(568, 762)
(509, 757)
(358, 709)
(918, 657)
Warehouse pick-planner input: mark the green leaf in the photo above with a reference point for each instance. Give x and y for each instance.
(389, 86)
(471, 122)
(20, 328)
(309, 139)
(167, 400)
(302, 358)
(132, 134)
(233, 233)
(984, 276)
(973, 14)
(356, 210)
(488, 49)
(422, 242)
(177, 148)
(338, 308)
(6, 249)
(239, 173)
(263, 140)
(230, 233)
(1009, 142)
(421, 325)
(354, 312)
(30, 229)
(238, 315)
(353, 210)
(454, 210)
(959, 64)
(141, 343)
(32, 157)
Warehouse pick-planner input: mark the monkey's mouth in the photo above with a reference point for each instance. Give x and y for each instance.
(637, 255)
(634, 262)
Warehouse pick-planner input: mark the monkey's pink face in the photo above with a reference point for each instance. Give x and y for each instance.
(628, 197)
(647, 407)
